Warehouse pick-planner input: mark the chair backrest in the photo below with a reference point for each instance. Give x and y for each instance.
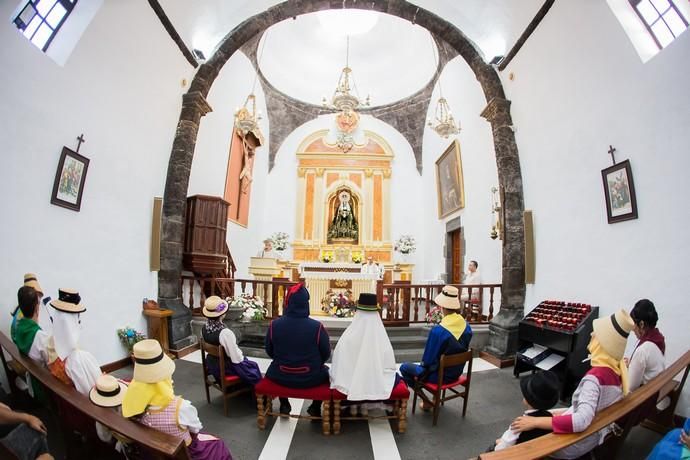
(456, 360)
(213, 350)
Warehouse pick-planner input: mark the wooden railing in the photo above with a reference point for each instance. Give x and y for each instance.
(625, 408)
(157, 443)
(195, 290)
(405, 303)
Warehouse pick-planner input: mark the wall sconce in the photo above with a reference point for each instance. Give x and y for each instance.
(497, 213)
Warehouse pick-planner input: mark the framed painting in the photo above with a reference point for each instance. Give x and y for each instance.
(70, 177)
(619, 190)
(449, 181)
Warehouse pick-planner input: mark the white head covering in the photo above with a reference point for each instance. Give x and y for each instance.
(65, 333)
(363, 361)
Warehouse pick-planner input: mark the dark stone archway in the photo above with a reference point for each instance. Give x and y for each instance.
(503, 329)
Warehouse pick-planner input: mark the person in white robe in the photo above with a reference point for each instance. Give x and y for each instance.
(363, 366)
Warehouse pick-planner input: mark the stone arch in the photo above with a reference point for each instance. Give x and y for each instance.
(503, 329)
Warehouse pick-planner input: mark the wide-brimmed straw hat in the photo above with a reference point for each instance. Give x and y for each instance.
(108, 391)
(151, 364)
(214, 307)
(448, 298)
(30, 279)
(612, 332)
(68, 301)
(367, 302)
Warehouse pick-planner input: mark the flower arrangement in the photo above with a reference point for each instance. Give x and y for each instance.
(434, 316)
(327, 256)
(280, 241)
(357, 257)
(405, 244)
(339, 304)
(253, 308)
(129, 337)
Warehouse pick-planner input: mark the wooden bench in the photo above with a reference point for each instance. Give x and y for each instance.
(624, 409)
(156, 443)
(267, 390)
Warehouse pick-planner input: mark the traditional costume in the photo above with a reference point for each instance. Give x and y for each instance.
(109, 392)
(671, 447)
(450, 337)
(216, 333)
(299, 347)
(363, 365)
(30, 280)
(604, 384)
(76, 367)
(151, 398)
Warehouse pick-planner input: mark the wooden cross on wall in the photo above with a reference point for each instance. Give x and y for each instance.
(81, 140)
(611, 151)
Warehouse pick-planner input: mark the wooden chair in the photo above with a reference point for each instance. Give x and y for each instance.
(229, 385)
(438, 391)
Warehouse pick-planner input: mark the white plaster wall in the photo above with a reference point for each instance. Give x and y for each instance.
(122, 90)
(580, 86)
(466, 100)
(211, 155)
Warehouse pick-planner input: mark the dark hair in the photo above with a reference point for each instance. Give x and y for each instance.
(28, 300)
(476, 265)
(644, 311)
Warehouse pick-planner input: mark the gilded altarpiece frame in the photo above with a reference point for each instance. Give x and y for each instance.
(322, 173)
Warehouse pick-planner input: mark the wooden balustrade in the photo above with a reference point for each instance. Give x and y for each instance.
(270, 292)
(403, 303)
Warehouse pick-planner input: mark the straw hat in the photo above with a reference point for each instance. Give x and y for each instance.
(30, 279)
(151, 365)
(367, 302)
(214, 307)
(68, 301)
(448, 298)
(108, 391)
(612, 332)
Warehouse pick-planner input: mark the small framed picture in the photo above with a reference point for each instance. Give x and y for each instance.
(449, 181)
(619, 190)
(70, 177)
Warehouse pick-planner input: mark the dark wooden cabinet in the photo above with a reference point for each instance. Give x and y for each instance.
(206, 220)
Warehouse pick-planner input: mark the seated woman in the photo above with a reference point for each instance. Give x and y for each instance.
(299, 347)
(151, 398)
(215, 333)
(109, 392)
(647, 359)
(604, 384)
(363, 365)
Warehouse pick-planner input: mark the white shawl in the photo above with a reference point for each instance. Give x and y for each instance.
(81, 366)
(363, 365)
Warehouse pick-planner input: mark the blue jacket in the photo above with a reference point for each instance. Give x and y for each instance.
(298, 345)
(451, 336)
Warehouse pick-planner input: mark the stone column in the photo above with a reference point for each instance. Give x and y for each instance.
(503, 328)
(194, 106)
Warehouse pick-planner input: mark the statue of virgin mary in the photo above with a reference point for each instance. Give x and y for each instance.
(344, 224)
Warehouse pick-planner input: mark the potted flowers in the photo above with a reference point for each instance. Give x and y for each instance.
(280, 242)
(356, 257)
(253, 308)
(434, 316)
(129, 337)
(339, 304)
(405, 245)
(327, 256)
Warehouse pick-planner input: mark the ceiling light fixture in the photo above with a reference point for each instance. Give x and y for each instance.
(443, 122)
(347, 132)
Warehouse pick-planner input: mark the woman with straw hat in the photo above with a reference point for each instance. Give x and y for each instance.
(151, 398)
(109, 392)
(451, 336)
(76, 367)
(215, 333)
(604, 384)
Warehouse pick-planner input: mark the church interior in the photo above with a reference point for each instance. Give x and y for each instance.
(177, 152)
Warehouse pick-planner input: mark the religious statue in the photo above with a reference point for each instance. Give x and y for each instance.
(344, 224)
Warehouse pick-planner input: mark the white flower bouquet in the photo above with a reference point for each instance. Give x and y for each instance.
(405, 244)
(253, 308)
(280, 241)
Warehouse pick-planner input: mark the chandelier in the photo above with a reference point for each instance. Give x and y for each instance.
(247, 118)
(443, 122)
(347, 132)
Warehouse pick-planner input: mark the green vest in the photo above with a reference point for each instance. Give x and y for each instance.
(24, 333)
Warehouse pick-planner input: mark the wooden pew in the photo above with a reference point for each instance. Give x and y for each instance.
(160, 445)
(550, 443)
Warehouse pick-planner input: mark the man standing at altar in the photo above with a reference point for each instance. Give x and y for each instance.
(373, 268)
(267, 251)
(472, 277)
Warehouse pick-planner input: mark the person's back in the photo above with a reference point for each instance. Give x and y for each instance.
(298, 345)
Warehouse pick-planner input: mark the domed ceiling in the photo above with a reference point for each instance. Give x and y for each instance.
(304, 57)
